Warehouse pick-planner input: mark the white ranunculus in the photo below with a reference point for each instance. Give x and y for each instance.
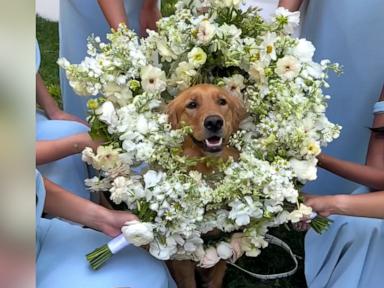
(107, 157)
(152, 178)
(205, 32)
(197, 57)
(303, 51)
(138, 233)
(257, 73)
(305, 170)
(224, 250)
(210, 258)
(303, 212)
(153, 79)
(107, 113)
(287, 67)
(292, 19)
(234, 84)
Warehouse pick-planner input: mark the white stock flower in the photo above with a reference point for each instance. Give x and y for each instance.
(87, 155)
(197, 57)
(205, 32)
(287, 67)
(303, 51)
(305, 170)
(153, 79)
(152, 178)
(224, 250)
(107, 113)
(138, 233)
(164, 50)
(210, 258)
(163, 251)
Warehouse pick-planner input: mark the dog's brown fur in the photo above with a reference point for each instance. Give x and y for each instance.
(209, 102)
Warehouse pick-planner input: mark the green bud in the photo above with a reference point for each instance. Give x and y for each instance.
(92, 104)
(134, 85)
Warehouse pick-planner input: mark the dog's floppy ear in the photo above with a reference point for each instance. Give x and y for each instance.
(172, 113)
(238, 110)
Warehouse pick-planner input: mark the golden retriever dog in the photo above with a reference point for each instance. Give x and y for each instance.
(214, 115)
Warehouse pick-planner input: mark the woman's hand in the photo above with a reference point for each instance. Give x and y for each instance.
(112, 221)
(323, 205)
(61, 115)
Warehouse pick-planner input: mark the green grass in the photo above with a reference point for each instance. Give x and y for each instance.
(271, 260)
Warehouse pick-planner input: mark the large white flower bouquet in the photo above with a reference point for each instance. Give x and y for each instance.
(142, 165)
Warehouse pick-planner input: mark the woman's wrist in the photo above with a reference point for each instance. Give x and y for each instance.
(339, 204)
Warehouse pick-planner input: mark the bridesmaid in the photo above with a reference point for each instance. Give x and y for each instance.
(61, 247)
(60, 138)
(80, 19)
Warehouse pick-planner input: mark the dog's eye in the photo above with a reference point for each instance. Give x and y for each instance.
(222, 102)
(192, 105)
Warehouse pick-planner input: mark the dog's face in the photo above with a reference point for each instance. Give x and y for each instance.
(212, 113)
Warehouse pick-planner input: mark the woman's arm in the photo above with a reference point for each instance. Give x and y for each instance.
(49, 105)
(48, 151)
(369, 176)
(62, 203)
(291, 5)
(114, 12)
(375, 154)
(149, 15)
(364, 205)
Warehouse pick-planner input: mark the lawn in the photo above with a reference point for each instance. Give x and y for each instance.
(271, 260)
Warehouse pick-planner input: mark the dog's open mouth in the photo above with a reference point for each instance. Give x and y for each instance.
(213, 144)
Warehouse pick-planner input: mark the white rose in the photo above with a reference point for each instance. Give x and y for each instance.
(305, 170)
(152, 178)
(210, 258)
(287, 67)
(107, 113)
(224, 250)
(153, 79)
(138, 233)
(303, 51)
(197, 57)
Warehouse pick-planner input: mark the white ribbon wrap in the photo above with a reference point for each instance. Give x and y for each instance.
(117, 243)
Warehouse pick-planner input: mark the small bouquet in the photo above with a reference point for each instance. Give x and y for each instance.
(185, 214)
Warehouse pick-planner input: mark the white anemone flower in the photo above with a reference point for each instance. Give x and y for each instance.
(288, 67)
(153, 79)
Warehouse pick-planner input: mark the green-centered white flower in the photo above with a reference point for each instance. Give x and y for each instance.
(197, 57)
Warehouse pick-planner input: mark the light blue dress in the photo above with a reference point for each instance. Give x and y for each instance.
(349, 32)
(69, 172)
(351, 253)
(61, 262)
(78, 20)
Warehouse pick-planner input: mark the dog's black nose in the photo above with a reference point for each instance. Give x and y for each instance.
(213, 123)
